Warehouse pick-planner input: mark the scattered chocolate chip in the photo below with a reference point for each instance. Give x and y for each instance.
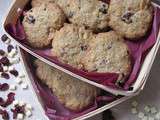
(45, 9)
(9, 48)
(5, 75)
(84, 47)
(2, 52)
(5, 61)
(31, 19)
(4, 38)
(103, 9)
(18, 109)
(9, 101)
(4, 114)
(4, 87)
(70, 15)
(14, 72)
(104, 62)
(127, 17)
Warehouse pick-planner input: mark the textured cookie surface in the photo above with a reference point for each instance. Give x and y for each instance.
(41, 22)
(35, 3)
(108, 53)
(70, 43)
(92, 14)
(131, 18)
(71, 92)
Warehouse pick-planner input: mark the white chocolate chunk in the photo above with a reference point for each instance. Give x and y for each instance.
(29, 107)
(10, 68)
(12, 87)
(5, 68)
(151, 118)
(20, 116)
(21, 103)
(145, 118)
(134, 111)
(147, 109)
(141, 115)
(18, 80)
(153, 110)
(15, 102)
(24, 86)
(134, 103)
(28, 113)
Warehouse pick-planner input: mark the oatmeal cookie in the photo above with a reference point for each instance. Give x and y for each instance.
(41, 22)
(131, 18)
(108, 53)
(71, 92)
(70, 43)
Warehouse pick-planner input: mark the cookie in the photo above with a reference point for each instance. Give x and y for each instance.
(41, 22)
(92, 14)
(71, 92)
(108, 54)
(70, 43)
(131, 18)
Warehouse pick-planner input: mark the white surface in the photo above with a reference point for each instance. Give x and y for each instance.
(24, 95)
(149, 96)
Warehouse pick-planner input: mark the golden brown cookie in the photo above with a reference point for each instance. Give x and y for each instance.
(41, 22)
(71, 92)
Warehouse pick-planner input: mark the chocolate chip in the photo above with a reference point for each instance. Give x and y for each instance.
(31, 19)
(5, 75)
(4, 114)
(103, 9)
(2, 52)
(9, 48)
(4, 87)
(5, 61)
(84, 47)
(127, 17)
(70, 15)
(4, 38)
(14, 72)
(18, 109)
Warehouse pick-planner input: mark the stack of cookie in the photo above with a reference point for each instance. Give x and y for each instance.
(88, 35)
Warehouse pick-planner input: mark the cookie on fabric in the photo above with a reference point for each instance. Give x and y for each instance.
(131, 18)
(41, 22)
(108, 53)
(71, 92)
(70, 43)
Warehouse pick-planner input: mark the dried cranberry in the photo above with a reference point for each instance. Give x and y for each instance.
(5, 61)
(9, 48)
(127, 17)
(1, 68)
(2, 52)
(10, 99)
(14, 72)
(84, 47)
(2, 102)
(5, 75)
(31, 19)
(4, 38)
(4, 87)
(4, 114)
